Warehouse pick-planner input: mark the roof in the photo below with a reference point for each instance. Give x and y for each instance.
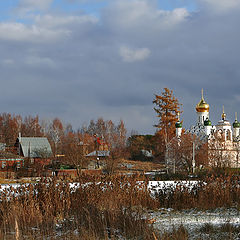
(202, 106)
(99, 154)
(35, 147)
(8, 155)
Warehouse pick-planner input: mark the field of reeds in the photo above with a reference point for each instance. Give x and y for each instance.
(105, 207)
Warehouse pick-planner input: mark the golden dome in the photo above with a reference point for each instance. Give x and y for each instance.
(202, 106)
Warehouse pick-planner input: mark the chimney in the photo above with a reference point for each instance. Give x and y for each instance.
(19, 137)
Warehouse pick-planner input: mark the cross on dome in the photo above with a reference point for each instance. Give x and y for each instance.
(223, 114)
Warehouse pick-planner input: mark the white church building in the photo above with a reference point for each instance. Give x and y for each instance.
(223, 139)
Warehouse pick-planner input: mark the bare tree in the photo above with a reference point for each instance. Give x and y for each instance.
(185, 153)
(74, 155)
(112, 162)
(56, 132)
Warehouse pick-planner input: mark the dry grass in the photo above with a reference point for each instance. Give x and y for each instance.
(212, 192)
(104, 208)
(138, 166)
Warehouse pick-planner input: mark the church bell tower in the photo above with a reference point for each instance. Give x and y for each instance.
(202, 110)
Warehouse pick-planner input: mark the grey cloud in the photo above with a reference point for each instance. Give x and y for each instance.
(76, 72)
(26, 6)
(133, 55)
(219, 7)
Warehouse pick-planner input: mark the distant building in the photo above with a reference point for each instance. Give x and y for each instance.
(100, 154)
(9, 160)
(146, 153)
(34, 147)
(222, 139)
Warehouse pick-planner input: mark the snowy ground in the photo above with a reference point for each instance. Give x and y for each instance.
(195, 221)
(153, 186)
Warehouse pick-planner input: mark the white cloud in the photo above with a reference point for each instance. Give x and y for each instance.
(51, 21)
(134, 55)
(143, 14)
(26, 6)
(21, 32)
(80, 57)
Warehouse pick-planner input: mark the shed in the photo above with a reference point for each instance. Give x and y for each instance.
(99, 154)
(34, 147)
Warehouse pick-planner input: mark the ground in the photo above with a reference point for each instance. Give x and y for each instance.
(138, 167)
(220, 223)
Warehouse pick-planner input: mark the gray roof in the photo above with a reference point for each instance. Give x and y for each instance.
(99, 154)
(35, 147)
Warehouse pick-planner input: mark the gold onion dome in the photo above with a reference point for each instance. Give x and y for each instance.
(202, 106)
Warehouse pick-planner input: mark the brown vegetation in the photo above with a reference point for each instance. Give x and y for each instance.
(212, 192)
(105, 207)
(100, 209)
(167, 108)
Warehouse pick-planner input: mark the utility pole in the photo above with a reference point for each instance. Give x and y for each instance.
(193, 158)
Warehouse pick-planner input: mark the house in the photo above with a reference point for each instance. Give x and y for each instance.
(37, 149)
(9, 160)
(95, 157)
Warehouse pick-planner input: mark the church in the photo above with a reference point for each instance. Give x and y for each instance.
(223, 139)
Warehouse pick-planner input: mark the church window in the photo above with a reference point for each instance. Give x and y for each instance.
(228, 133)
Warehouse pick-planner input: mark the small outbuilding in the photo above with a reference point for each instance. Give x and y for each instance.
(99, 154)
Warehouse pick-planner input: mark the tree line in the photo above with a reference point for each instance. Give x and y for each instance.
(103, 134)
(167, 109)
(61, 135)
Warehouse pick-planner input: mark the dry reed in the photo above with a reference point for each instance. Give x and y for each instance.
(104, 208)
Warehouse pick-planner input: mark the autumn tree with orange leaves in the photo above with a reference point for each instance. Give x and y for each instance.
(167, 108)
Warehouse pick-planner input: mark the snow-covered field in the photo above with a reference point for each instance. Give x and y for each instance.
(193, 220)
(153, 186)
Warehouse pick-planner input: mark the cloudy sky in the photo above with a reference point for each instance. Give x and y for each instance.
(83, 59)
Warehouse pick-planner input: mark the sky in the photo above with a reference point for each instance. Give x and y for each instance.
(83, 59)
